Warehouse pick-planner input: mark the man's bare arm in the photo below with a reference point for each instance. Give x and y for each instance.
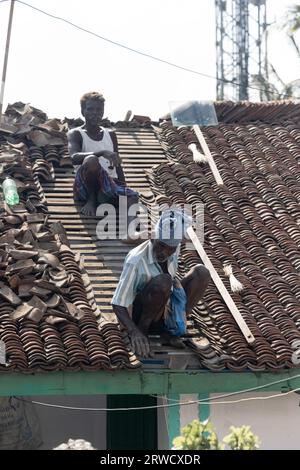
(119, 168)
(114, 141)
(139, 341)
(120, 173)
(75, 147)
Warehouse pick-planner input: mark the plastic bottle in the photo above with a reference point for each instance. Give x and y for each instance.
(10, 191)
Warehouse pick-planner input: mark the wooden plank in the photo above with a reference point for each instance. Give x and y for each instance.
(76, 225)
(132, 161)
(68, 183)
(134, 130)
(94, 246)
(139, 176)
(132, 171)
(103, 262)
(91, 260)
(139, 143)
(100, 251)
(113, 263)
(108, 277)
(127, 147)
(137, 169)
(104, 258)
(64, 184)
(70, 217)
(127, 163)
(137, 138)
(84, 236)
(221, 287)
(133, 151)
(69, 180)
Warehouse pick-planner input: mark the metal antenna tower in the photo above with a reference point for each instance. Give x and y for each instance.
(241, 43)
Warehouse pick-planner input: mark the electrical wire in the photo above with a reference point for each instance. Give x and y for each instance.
(212, 401)
(149, 56)
(191, 402)
(277, 395)
(179, 403)
(246, 390)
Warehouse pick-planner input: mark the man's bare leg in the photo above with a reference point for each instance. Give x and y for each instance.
(90, 206)
(91, 168)
(152, 304)
(152, 301)
(195, 284)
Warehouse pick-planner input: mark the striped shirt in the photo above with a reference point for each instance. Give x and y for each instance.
(139, 268)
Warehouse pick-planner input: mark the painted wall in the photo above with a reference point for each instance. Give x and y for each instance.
(58, 425)
(276, 421)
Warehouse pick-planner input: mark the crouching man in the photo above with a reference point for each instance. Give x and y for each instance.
(148, 298)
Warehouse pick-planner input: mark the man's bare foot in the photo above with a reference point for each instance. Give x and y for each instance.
(89, 209)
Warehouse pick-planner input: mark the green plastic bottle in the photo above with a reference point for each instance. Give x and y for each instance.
(10, 191)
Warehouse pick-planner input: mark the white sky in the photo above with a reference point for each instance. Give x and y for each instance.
(51, 64)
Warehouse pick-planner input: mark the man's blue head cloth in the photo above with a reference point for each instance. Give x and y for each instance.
(171, 227)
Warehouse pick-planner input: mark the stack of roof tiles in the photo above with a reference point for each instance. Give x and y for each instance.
(252, 222)
(269, 112)
(48, 317)
(244, 111)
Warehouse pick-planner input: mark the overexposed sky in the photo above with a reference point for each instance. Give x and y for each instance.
(51, 64)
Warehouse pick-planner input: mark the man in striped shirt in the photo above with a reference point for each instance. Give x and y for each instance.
(147, 282)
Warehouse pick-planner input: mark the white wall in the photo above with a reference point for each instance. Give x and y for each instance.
(58, 425)
(276, 421)
(188, 412)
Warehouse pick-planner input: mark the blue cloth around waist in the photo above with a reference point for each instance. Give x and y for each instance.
(175, 320)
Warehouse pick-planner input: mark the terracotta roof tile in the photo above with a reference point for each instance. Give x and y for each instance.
(47, 308)
(252, 223)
